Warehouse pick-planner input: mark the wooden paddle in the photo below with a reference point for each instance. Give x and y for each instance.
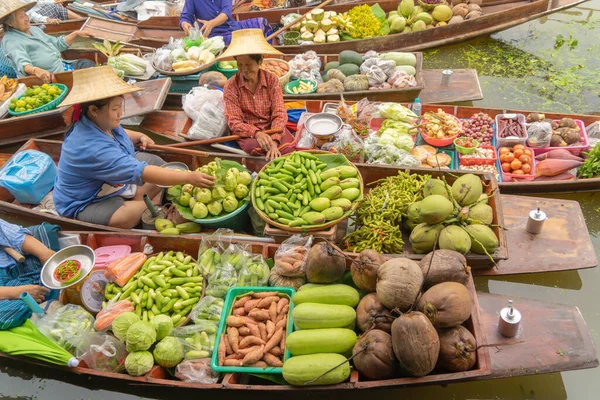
(300, 18)
(177, 151)
(18, 257)
(221, 139)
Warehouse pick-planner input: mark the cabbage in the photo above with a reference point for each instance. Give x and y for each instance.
(139, 363)
(244, 178)
(168, 352)
(163, 325)
(391, 137)
(215, 45)
(397, 112)
(140, 336)
(400, 126)
(241, 191)
(128, 63)
(230, 204)
(178, 55)
(122, 323)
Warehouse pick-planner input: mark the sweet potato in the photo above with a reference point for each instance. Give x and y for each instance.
(233, 363)
(222, 349)
(263, 331)
(251, 340)
(282, 343)
(258, 364)
(239, 312)
(270, 329)
(276, 351)
(275, 339)
(272, 360)
(284, 310)
(228, 348)
(273, 311)
(251, 305)
(262, 295)
(232, 320)
(254, 331)
(244, 331)
(237, 356)
(282, 303)
(242, 301)
(233, 335)
(253, 356)
(266, 302)
(281, 323)
(259, 315)
(247, 350)
(249, 321)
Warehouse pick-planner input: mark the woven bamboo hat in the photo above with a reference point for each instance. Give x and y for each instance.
(248, 41)
(96, 83)
(8, 7)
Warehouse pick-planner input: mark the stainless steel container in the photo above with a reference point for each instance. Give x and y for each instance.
(446, 77)
(510, 319)
(535, 221)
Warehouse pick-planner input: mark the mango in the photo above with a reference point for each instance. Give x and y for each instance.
(351, 193)
(435, 186)
(455, 238)
(345, 204)
(424, 236)
(467, 189)
(161, 224)
(330, 173)
(482, 238)
(333, 213)
(314, 218)
(350, 183)
(170, 231)
(434, 209)
(320, 203)
(332, 193)
(347, 171)
(329, 183)
(481, 214)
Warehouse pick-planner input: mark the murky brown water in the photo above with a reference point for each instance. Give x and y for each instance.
(521, 68)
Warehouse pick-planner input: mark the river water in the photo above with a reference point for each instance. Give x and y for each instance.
(528, 67)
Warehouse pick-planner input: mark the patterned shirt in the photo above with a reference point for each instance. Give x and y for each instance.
(11, 236)
(247, 112)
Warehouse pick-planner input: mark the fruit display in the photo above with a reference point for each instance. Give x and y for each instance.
(196, 204)
(228, 65)
(319, 26)
(7, 88)
(518, 160)
(35, 97)
(302, 191)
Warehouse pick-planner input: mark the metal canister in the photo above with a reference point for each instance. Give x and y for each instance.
(510, 318)
(535, 221)
(446, 76)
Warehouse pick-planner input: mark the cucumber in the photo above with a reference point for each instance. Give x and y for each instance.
(313, 341)
(328, 294)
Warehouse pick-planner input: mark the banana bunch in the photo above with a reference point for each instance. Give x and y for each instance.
(166, 227)
(342, 21)
(7, 88)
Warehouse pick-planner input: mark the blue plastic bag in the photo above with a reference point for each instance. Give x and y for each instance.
(29, 176)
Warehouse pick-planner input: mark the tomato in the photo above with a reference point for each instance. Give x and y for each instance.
(506, 167)
(503, 150)
(518, 172)
(525, 159)
(516, 164)
(526, 168)
(528, 152)
(509, 157)
(518, 153)
(518, 146)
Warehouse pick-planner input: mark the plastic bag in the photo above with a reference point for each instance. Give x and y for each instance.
(349, 144)
(122, 269)
(198, 340)
(112, 310)
(207, 309)
(376, 153)
(286, 19)
(101, 352)
(235, 255)
(197, 97)
(370, 55)
(539, 134)
(197, 371)
(211, 122)
(306, 66)
(29, 176)
(162, 59)
(255, 272)
(290, 258)
(593, 130)
(215, 45)
(211, 248)
(194, 38)
(65, 326)
(221, 280)
(401, 79)
(173, 44)
(375, 75)
(387, 67)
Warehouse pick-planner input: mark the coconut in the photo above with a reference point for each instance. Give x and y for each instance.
(467, 189)
(458, 349)
(318, 14)
(399, 282)
(398, 24)
(483, 239)
(419, 26)
(442, 13)
(455, 20)
(307, 36)
(407, 29)
(441, 23)
(312, 26)
(481, 214)
(461, 10)
(446, 305)
(424, 237)
(378, 360)
(435, 208)
(444, 266)
(425, 17)
(416, 343)
(326, 25)
(406, 8)
(435, 186)
(364, 270)
(324, 263)
(473, 7)
(412, 214)
(473, 14)
(372, 314)
(455, 238)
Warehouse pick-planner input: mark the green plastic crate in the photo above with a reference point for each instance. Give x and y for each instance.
(46, 107)
(234, 294)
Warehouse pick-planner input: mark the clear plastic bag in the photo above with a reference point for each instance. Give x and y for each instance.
(121, 270)
(66, 325)
(101, 352)
(593, 130)
(376, 153)
(221, 280)
(290, 258)
(198, 340)
(235, 255)
(539, 134)
(255, 272)
(197, 371)
(401, 79)
(348, 143)
(162, 59)
(306, 66)
(376, 68)
(286, 19)
(207, 309)
(211, 122)
(112, 310)
(173, 44)
(197, 97)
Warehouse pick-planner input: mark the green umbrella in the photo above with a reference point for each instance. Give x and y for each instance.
(27, 340)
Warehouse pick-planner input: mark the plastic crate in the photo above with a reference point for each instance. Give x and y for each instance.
(508, 142)
(230, 298)
(182, 84)
(46, 107)
(575, 150)
(468, 160)
(508, 177)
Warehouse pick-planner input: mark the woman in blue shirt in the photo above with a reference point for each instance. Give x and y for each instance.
(215, 19)
(101, 179)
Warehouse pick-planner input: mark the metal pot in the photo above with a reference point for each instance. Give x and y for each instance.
(323, 126)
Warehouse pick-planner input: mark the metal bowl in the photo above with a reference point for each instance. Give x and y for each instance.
(323, 124)
(84, 254)
(174, 166)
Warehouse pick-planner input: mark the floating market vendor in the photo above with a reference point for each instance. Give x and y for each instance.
(100, 178)
(253, 98)
(215, 19)
(37, 244)
(49, 12)
(30, 51)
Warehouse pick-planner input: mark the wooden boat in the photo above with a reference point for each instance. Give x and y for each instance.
(567, 225)
(563, 327)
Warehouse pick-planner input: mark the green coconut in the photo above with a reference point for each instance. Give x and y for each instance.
(406, 8)
(435, 208)
(483, 239)
(412, 216)
(455, 238)
(467, 189)
(481, 214)
(424, 236)
(419, 26)
(435, 186)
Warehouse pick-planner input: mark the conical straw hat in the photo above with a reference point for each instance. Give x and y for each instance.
(8, 7)
(97, 83)
(248, 41)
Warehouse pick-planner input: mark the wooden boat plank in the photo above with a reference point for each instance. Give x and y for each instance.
(171, 124)
(464, 86)
(150, 99)
(552, 338)
(564, 243)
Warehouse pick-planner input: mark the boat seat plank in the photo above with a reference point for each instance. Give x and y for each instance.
(552, 338)
(171, 124)
(464, 86)
(150, 99)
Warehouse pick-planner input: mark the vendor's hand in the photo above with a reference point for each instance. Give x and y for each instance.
(274, 152)
(264, 141)
(187, 27)
(145, 141)
(83, 34)
(44, 75)
(36, 291)
(200, 179)
(207, 27)
(52, 21)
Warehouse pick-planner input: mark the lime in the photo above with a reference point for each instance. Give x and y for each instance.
(12, 106)
(45, 86)
(30, 101)
(29, 107)
(20, 109)
(52, 90)
(37, 91)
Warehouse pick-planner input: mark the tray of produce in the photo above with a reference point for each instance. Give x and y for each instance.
(38, 99)
(252, 333)
(481, 155)
(307, 191)
(567, 133)
(184, 60)
(440, 129)
(517, 163)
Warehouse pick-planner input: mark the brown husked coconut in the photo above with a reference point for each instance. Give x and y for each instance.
(364, 270)
(458, 349)
(446, 266)
(325, 263)
(372, 314)
(416, 343)
(446, 305)
(378, 360)
(399, 282)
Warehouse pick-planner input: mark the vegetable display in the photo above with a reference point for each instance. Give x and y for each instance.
(440, 125)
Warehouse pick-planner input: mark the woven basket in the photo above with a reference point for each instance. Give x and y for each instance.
(285, 78)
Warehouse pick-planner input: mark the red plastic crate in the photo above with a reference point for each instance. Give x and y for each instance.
(507, 177)
(467, 160)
